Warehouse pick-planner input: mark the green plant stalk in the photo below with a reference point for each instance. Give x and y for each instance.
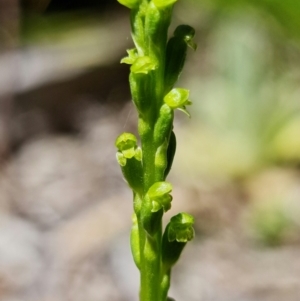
(154, 62)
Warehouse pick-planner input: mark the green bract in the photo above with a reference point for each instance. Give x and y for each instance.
(181, 228)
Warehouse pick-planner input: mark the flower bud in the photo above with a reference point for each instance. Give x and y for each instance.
(176, 53)
(186, 33)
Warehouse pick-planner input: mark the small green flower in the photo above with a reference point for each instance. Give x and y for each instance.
(181, 228)
(126, 143)
(178, 98)
(127, 147)
(159, 194)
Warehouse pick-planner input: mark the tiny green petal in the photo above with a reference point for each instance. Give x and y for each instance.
(129, 3)
(163, 3)
(177, 98)
(121, 159)
(131, 58)
(143, 64)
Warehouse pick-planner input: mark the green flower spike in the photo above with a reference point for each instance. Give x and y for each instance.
(127, 147)
(181, 228)
(159, 194)
(178, 98)
(155, 63)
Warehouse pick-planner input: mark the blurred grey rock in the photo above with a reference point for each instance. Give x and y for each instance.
(21, 261)
(55, 178)
(124, 271)
(77, 251)
(224, 268)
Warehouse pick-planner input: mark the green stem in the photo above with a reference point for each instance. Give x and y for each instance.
(151, 269)
(151, 252)
(150, 245)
